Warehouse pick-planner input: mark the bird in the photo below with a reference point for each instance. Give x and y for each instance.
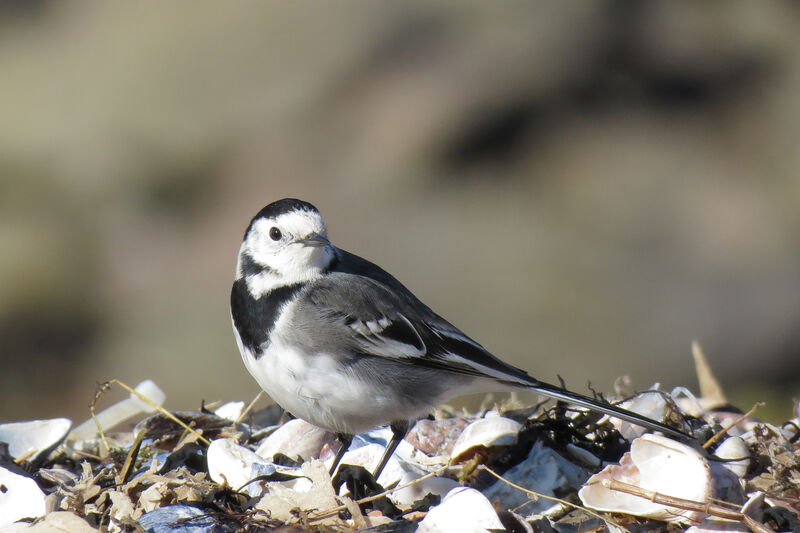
(339, 342)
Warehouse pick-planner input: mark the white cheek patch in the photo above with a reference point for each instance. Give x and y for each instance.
(261, 284)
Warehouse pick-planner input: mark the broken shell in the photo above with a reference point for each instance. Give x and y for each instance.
(121, 411)
(283, 504)
(177, 518)
(462, 509)
(35, 438)
(543, 471)
(20, 498)
(657, 464)
(234, 465)
(655, 405)
(436, 437)
(230, 411)
(485, 433)
(295, 438)
(583, 456)
(58, 522)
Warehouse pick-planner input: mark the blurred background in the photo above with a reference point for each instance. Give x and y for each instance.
(583, 187)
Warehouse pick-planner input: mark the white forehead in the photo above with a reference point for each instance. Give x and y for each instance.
(299, 224)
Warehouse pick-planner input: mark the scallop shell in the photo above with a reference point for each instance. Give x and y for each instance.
(485, 433)
(658, 464)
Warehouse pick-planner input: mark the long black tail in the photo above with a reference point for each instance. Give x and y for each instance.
(580, 400)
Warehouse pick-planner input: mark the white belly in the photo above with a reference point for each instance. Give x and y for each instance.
(318, 390)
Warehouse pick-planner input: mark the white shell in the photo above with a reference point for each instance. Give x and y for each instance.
(543, 471)
(652, 404)
(486, 432)
(295, 438)
(36, 436)
(121, 411)
(236, 465)
(56, 522)
(583, 456)
(658, 464)
(22, 498)
(230, 411)
(734, 448)
(463, 510)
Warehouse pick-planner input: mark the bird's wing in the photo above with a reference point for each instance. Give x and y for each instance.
(384, 321)
(374, 319)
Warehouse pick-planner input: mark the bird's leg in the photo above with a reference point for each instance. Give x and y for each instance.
(399, 429)
(345, 439)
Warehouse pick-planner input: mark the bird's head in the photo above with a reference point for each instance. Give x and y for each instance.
(285, 243)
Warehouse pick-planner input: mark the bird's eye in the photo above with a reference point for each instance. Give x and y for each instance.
(275, 233)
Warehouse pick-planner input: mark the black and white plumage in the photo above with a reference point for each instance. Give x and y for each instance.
(339, 342)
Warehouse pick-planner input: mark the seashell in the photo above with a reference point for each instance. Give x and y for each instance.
(295, 438)
(57, 522)
(36, 437)
(178, 519)
(462, 510)
(734, 448)
(583, 456)
(653, 404)
(485, 433)
(230, 411)
(543, 471)
(728, 482)
(658, 464)
(121, 411)
(436, 437)
(283, 504)
(20, 498)
(234, 465)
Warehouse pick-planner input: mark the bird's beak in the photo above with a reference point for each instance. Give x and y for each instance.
(315, 240)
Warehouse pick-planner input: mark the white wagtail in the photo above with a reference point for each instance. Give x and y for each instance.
(339, 342)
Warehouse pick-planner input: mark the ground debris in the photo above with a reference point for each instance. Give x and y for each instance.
(528, 469)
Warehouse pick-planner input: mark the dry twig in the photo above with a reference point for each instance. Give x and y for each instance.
(249, 407)
(710, 442)
(146, 400)
(708, 508)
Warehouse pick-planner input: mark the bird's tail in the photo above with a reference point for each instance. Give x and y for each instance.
(580, 400)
